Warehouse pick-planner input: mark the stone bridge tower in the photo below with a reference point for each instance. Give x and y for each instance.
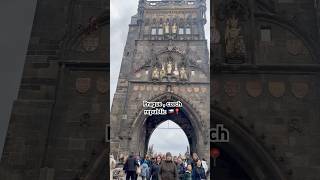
(265, 79)
(57, 125)
(165, 59)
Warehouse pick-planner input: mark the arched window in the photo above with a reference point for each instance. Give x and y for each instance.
(153, 31)
(188, 29)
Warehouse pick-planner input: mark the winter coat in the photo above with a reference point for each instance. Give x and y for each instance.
(131, 164)
(155, 169)
(187, 175)
(198, 173)
(168, 171)
(149, 163)
(144, 170)
(181, 170)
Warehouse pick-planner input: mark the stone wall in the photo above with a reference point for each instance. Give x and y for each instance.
(274, 91)
(57, 125)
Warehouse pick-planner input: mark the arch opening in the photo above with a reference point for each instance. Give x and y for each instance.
(181, 120)
(227, 167)
(168, 137)
(244, 150)
(187, 119)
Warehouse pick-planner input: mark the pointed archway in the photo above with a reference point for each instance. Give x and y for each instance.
(245, 150)
(168, 137)
(187, 118)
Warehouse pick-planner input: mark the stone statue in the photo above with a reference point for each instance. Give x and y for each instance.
(174, 28)
(166, 28)
(183, 74)
(169, 67)
(234, 41)
(176, 71)
(155, 74)
(162, 73)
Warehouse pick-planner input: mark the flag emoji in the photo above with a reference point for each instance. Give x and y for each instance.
(171, 111)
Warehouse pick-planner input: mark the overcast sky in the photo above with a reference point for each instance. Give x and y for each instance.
(164, 140)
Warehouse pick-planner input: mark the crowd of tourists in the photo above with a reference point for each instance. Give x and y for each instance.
(165, 167)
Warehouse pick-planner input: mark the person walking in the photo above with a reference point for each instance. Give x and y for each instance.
(147, 160)
(155, 169)
(188, 174)
(144, 171)
(194, 160)
(168, 170)
(198, 173)
(130, 168)
(180, 168)
(205, 167)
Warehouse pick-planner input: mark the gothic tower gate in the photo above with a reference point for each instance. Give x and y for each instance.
(165, 59)
(143, 126)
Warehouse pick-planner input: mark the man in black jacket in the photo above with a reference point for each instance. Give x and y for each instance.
(130, 167)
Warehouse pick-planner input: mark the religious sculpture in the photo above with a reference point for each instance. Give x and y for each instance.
(234, 41)
(166, 28)
(176, 71)
(162, 73)
(155, 74)
(183, 74)
(174, 28)
(169, 67)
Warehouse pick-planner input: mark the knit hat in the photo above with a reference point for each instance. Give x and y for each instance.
(168, 154)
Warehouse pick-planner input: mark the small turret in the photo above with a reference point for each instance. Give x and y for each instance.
(140, 11)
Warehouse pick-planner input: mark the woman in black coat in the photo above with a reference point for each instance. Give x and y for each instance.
(198, 173)
(155, 168)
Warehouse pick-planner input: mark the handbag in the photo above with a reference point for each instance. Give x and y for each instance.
(138, 171)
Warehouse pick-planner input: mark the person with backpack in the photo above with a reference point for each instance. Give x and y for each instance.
(130, 167)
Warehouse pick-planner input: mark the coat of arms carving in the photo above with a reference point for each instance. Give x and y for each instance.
(254, 88)
(83, 85)
(276, 88)
(102, 86)
(232, 88)
(90, 42)
(300, 89)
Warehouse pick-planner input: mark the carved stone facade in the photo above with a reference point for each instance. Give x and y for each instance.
(265, 89)
(57, 125)
(166, 59)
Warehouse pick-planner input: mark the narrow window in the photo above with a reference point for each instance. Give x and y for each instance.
(265, 32)
(188, 30)
(181, 30)
(154, 31)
